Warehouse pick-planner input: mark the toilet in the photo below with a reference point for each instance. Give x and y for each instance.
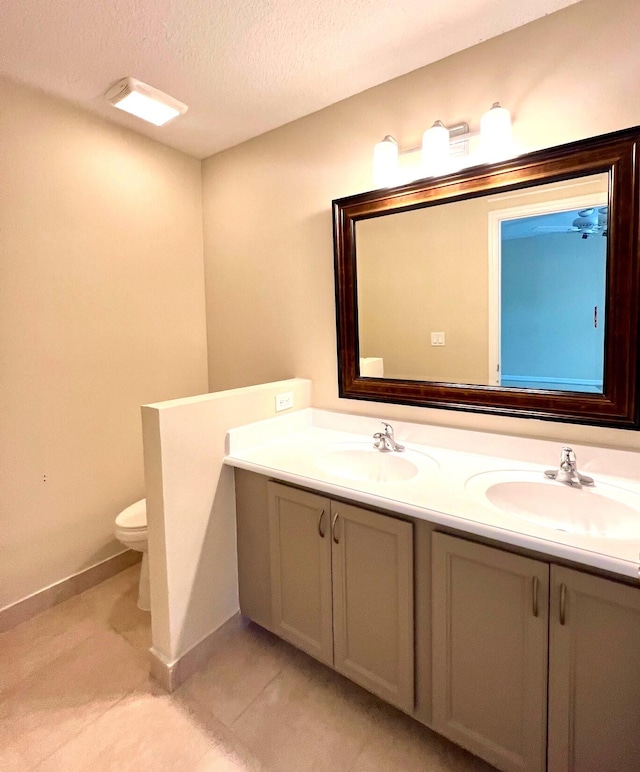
(131, 530)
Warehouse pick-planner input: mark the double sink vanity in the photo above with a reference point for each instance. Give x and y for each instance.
(486, 585)
(442, 570)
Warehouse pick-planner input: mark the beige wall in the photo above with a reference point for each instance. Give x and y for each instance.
(418, 273)
(268, 233)
(101, 310)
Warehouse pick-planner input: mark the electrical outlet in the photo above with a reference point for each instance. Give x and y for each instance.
(284, 401)
(437, 338)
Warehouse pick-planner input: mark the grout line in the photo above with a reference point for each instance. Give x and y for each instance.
(246, 708)
(82, 729)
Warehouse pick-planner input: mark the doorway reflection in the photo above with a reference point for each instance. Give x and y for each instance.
(552, 300)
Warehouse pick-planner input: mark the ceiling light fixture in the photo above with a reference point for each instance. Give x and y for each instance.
(444, 149)
(144, 101)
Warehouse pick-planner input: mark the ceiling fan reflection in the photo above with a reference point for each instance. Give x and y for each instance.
(589, 222)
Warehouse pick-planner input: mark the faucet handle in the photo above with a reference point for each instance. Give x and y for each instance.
(388, 429)
(568, 472)
(567, 457)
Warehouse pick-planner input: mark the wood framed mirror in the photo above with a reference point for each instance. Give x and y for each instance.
(510, 288)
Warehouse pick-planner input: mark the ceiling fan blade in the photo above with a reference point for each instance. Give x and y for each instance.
(554, 229)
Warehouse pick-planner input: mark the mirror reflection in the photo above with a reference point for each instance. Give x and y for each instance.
(501, 290)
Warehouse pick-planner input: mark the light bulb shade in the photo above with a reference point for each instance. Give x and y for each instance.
(435, 149)
(495, 133)
(385, 163)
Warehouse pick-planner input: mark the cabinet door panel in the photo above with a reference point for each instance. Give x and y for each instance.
(373, 602)
(594, 675)
(254, 562)
(490, 622)
(301, 569)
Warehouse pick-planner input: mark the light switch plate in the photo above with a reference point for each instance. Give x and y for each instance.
(284, 401)
(437, 338)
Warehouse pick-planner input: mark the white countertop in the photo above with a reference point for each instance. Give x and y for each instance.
(289, 448)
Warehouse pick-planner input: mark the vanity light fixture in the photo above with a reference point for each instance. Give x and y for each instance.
(495, 133)
(144, 101)
(385, 162)
(435, 150)
(442, 148)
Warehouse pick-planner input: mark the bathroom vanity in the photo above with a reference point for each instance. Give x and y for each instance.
(514, 639)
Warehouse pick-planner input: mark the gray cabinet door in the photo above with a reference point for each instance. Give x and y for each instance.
(300, 547)
(254, 561)
(373, 602)
(594, 674)
(490, 625)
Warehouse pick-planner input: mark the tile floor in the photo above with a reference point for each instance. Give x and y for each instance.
(75, 695)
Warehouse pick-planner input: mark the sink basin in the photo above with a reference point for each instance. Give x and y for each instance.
(602, 511)
(363, 463)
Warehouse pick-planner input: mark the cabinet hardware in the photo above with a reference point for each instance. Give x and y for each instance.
(535, 596)
(320, 531)
(334, 528)
(563, 601)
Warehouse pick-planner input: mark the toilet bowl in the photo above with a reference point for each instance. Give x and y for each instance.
(131, 530)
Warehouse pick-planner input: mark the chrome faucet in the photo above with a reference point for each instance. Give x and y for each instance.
(385, 441)
(568, 471)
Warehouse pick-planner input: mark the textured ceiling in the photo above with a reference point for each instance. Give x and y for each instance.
(243, 66)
